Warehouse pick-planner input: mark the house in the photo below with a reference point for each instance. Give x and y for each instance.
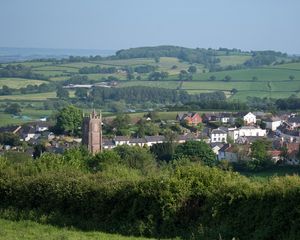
(218, 135)
(294, 122)
(273, 123)
(247, 131)
(137, 142)
(249, 118)
(121, 140)
(216, 147)
(29, 132)
(190, 118)
(151, 140)
(227, 152)
(275, 155)
(108, 144)
(225, 118)
(42, 126)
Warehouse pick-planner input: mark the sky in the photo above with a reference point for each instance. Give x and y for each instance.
(121, 24)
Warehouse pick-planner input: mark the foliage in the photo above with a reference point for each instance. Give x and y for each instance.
(196, 151)
(13, 108)
(8, 138)
(62, 93)
(259, 155)
(163, 151)
(69, 119)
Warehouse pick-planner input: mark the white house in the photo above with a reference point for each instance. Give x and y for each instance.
(273, 123)
(247, 131)
(218, 135)
(249, 118)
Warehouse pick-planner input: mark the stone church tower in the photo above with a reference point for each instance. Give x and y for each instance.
(92, 132)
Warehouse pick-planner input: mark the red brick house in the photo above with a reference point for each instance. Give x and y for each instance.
(190, 118)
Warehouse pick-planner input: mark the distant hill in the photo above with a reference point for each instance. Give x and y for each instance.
(8, 54)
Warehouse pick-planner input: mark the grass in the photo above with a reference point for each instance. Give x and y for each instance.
(33, 114)
(273, 172)
(19, 82)
(29, 230)
(233, 60)
(160, 84)
(33, 96)
(263, 74)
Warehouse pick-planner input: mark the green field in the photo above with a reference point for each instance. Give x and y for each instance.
(233, 60)
(19, 82)
(29, 230)
(160, 84)
(272, 81)
(263, 74)
(33, 96)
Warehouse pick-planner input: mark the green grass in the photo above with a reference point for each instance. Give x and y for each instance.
(273, 172)
(233, 60)
(19, 82)
(217, 85)
(29, 230)
(34, 96)
(33, 114)
(128, 62)
(160, 84)
(263, 74)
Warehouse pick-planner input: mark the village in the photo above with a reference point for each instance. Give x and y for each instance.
(229, 135)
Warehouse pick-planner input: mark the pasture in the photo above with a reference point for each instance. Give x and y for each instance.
(233, 60)
(262, 74)
(29, 230)
(19, 82)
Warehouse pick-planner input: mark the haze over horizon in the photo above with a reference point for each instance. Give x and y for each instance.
(116, 24)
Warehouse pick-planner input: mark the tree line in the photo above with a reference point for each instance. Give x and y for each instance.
(21, 71)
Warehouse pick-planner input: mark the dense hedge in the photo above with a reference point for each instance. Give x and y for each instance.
(190, 201)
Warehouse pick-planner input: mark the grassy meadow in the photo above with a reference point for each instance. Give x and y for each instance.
(29, 230)
(19, 82)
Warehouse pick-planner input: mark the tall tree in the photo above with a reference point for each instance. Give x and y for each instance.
(196, 151)
(69, 120)
(62, 93)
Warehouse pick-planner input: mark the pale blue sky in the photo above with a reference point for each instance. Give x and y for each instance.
(117, 24)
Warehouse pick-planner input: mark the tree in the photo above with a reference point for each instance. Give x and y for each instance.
(6, 90)
(234, 91)
(192, 69)
(121, 123)
(259, 154)
(62, 93)
(163, 151)
(13, 108)
(254, 78)
(227, 78)
(69, 119)
(103, 159)
(7, 138)
(212, 78)
(196, 151)
(81, 93)
(239, 122)
(130, 76)
(291, 77)
(136, 157)
(38, 150)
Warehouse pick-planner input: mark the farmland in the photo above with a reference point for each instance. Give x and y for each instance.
(19, 82)
(272, 80)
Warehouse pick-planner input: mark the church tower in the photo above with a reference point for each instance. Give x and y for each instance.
(92, 132)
